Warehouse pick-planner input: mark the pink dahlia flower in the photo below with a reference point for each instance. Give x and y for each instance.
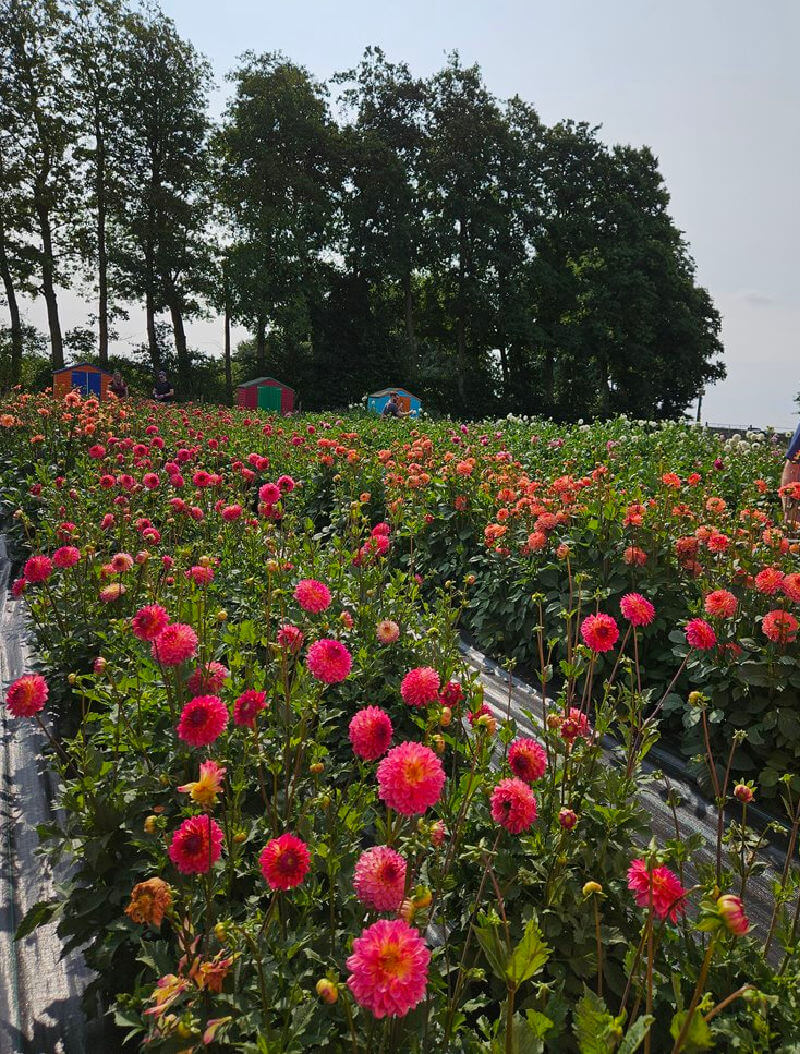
(388, 968)
(329, 661)
(202, 720)
(637, 609)
(149, 621)
(380, 878)
(248, 706)
(527, 759)
(410, 778)
(700, 635)
(312, 596)
(659, 888)
(284, 861)
(175, 644)
(370, 733)
(196, 845)
(420, 686)
(27, 695)
(513, 805)
(600, 632)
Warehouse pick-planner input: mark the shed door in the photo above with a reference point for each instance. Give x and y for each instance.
(93, 383)
(269, 397)
(79, 380)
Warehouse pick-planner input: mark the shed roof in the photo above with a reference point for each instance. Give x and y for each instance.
(261, 380)
(82, 366)
(388, 391)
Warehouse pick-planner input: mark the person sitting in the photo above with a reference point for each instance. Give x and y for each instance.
(162, 392)
(118, 386)
(392, 407)
(791, 474)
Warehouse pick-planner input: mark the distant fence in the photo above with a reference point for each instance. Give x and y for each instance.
(729, 430)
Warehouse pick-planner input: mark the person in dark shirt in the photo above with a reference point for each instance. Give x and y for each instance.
(791, 474)
(392, 407)
(162, 392)
(118, 386)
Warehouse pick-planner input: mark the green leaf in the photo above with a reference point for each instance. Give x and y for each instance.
(528, 957)
(494, 947)
(41, 913)
(636, 1033)
(596, 1030)
(698, 1035)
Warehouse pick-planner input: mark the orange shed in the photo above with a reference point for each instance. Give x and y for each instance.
(87, 378)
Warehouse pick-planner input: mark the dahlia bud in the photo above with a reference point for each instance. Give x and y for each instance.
(272, 566)
(731, 911)
(562, 552)
(423, 899)
(72, 678)
(554, 721)
(567, 818)
(438, 833)
(445, 717)
(743, 793)
(407, 910)
(222, 615)
(239, 837)
(100, 664)
(438, 744)
(221, 932)
(696, 699)
(470, 580)
(316, 768)
(150, 824)
(487, 721)
(327, 990)
(590, 888)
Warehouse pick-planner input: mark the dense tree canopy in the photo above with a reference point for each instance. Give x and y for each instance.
(381, 229)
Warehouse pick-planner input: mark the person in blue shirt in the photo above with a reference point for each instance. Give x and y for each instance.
(791, 474)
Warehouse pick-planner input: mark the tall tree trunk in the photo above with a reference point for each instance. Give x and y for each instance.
(549, 381)
(102, 249)
(152, 335)
(176, 314)
(228, 370)
(460, 327)
(261, 346)
(48, 280)
(13, 309)
(409, 312)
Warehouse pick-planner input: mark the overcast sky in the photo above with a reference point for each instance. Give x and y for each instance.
(712, 86)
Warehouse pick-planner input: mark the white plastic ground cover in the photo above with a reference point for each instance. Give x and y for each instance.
(40, 992)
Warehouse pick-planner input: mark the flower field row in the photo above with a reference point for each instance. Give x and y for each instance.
(294, 822)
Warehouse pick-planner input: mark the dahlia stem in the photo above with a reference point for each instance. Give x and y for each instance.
(510, 1020)
(648, 1004)
(698, 990)
(727, 1002)
(599, 941)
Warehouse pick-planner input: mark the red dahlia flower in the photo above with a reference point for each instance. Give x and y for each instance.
(27, 695)
(513, 805)
(284, 861)
(196, 845)
(202, 720)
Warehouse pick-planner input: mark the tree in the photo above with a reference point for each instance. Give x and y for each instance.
(95, 54)
(279, 164)
(161, 219)
(37, 108)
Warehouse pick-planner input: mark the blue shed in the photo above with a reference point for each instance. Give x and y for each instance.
(409, 403)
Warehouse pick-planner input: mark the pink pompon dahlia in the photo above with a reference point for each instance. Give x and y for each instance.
(175, 644)
(196, 845)
(700, 635)
(37, 569)
(370, 733)
(513, 805)
(284, 861)
(208, 679)
(720, 604)
(312, 596)
(291, 638)
(637, 609)
(387, 631)
(768, 581)
(248, 706)
(659, 888)
(389, 968)
(410, 778)
(202, 720)
(420, 686)
(149, 621)
(600, 632)
(113, 591)
(27, 695)
(329, 661)
(66, 556)
(527, 759)
(379, 878)
(779, 626)
(791, 586)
